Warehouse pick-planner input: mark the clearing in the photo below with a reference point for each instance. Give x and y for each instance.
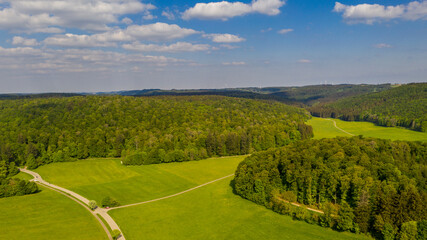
(324, 128)
(208, 212)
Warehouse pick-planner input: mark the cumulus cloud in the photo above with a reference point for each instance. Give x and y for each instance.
(285, 31)
(225, 10)
(233, 63)
(127, 21)
(370, 13)
(53, 15)
(73, 40)
(46, 61)
(382, 45)
(17, 40)
(150, 32)
(224, 38)
(158, 32)
(176, 47)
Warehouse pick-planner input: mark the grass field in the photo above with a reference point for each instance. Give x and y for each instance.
(214, 212)
(324, 128)
(97, 178)
(210, 212)
(46, 215)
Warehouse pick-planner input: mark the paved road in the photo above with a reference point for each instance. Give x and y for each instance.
(79, 199)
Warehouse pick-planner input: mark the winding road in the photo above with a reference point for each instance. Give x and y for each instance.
(80, 200)
(102, 211)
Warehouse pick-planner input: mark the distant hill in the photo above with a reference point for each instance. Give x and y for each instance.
(300, 96)
(404, 106)
(297, 96)
(36, 95)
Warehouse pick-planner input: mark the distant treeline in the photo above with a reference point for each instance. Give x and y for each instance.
(143, 130)
(404, 106)
(362, 185)
(298, 96)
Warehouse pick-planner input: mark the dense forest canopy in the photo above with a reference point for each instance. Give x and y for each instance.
(368, 185)
(404, 106)
(143, 130)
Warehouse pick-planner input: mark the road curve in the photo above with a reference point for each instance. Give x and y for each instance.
(79, 199)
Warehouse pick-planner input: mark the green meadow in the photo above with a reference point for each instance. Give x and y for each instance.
(210, 212)
(214, 212)
(47, 215)
(324, 128)
(98, 178)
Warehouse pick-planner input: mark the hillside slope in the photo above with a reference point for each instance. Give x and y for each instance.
(404, 106)
(146, 130)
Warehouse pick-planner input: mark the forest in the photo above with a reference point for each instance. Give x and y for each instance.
(361, 184)
(403, 106)
(143, 130)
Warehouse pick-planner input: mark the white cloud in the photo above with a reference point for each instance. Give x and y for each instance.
(228, 46)
(149, 17)
(268, 7)
(17, 40)
(46, 61)
(73, 40)
(370, 13)
(176, 47)
(158, 32)
(52, 15)
(151, 32)
(127, 21)
(225, 10)
(168, 14)
(382, 45)
(266, 30)
(285, 31)
(224, 38)
(304, 61)
(234, 63)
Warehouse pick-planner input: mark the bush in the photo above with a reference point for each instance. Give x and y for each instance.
(115, 234)
(92, 205)
(109, 202)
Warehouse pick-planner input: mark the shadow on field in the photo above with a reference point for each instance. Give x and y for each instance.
(233, 186)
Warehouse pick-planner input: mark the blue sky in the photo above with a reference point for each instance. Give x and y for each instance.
(105, 45)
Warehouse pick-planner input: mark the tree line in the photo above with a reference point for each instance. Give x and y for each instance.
(10, 186)
(404, 106)
(366, 185)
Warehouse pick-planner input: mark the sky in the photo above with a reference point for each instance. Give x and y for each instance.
(110, 45)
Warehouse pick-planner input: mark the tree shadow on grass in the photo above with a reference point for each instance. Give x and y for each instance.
(233, 186)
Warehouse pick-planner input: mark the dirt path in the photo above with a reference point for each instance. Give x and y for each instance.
(173, 195)
(299, 205)
(80, 200)
(342, 130)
